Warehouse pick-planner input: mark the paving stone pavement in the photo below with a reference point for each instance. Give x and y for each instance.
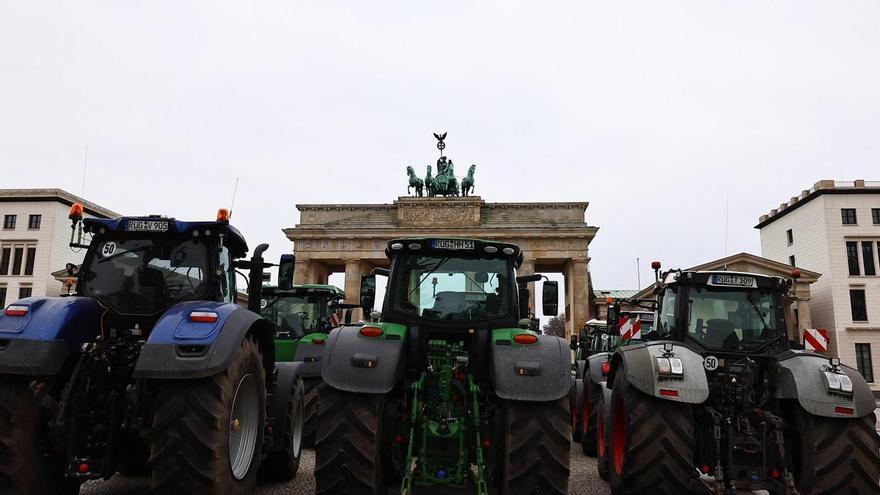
(584, 480)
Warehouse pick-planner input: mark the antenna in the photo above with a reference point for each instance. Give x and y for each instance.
(638, 274)
(82, 193)
(232, 203)
(726, 221)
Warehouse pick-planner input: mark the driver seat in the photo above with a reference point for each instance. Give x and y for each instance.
(720, 334)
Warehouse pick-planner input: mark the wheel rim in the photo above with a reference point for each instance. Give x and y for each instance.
(618, 434)
(297, 428)
(243, 426)
(600, 432)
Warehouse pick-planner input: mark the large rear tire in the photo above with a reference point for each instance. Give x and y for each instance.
(23, 467)
(601, 444)
(283, 465)
(348, 446)
(577, 404)
(537, 447)
(207, 434)
(312, 393)
(589, 417)
(651, 445)
(836, 456)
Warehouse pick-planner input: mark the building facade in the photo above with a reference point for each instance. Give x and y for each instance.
(34, 237)
(834, 228)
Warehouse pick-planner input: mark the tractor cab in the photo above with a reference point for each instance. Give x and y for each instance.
(302, 309)
(724, 312)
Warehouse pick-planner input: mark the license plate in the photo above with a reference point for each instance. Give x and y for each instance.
(147, 226)
(452, 244)
(733, 280)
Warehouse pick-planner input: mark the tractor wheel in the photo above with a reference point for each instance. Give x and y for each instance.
(577, 404)
(348, 446)
(601, 444)
(282, 465)
(313, 388)
(651, 448)
(835, 456)
(23, 467)
(589, 418)
(536, 448)
(208, 433)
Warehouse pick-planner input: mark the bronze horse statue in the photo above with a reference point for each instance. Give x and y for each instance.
(429, 183)
(414, 182)
(467, 184)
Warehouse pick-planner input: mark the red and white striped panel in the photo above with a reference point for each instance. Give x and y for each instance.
(816, 339)
(630, 328)
(334, 320)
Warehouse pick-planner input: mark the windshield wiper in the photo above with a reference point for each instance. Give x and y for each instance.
(436, 267)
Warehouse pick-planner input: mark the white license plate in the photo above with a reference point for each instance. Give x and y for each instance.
(453, 244)
(147, 226)
(733, 280)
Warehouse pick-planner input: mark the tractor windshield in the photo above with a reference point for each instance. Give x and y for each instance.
(732, 319)
(452, 289)
(293, 316)
(146, 276)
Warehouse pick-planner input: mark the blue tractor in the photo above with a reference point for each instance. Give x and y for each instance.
(150, 367)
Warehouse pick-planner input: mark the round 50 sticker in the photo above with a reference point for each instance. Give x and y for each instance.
(711, 363)
(108, 249)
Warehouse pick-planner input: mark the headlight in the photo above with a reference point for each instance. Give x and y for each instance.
(669, 366)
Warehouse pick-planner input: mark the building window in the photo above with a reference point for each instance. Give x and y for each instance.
(5, 253)
(2, 297)
(875, 215)
(863, 361)
(24, 292)
(9, 222)
(857, 302)
(868, 257)
(852, 257)
(790, 236)
(791, 260)
(17, 255)
(34, 222)
(848, 215)
(29, 261)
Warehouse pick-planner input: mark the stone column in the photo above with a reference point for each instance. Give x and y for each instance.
(577, 300)
(528, 268)
(301, 271)
(353, 271)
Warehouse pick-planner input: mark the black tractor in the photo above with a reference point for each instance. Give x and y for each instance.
(721, 402)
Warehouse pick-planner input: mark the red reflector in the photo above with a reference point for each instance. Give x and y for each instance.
(844, 410)
(774, 474)
(203, 317)
(606, 367)
(16, 310)
(668, 393)
(371, 332)
(487, 443)
(318, 341)
(398, 439)
(705, 469)
(525, 339)
(85, 468)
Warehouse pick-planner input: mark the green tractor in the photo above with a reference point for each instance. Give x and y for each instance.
(447, 388)
(303, 316)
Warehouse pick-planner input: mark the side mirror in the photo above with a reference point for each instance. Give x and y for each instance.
(285, 271)
(550, 298)
(574, 342)
(368, 292)
(612, 316)
(524, 296)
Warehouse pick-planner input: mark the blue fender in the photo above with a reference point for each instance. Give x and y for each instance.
(180, 348)
(40, 342)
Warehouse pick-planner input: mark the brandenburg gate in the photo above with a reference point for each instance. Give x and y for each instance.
(351, 238)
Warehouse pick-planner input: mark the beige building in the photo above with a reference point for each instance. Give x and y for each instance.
(834, 228)
(34, 237)
(554, 237)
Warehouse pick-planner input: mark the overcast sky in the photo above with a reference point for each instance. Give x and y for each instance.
(657, 113)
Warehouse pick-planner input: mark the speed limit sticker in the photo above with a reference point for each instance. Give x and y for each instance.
(711, 363)
(108, 249)
(263, 303)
